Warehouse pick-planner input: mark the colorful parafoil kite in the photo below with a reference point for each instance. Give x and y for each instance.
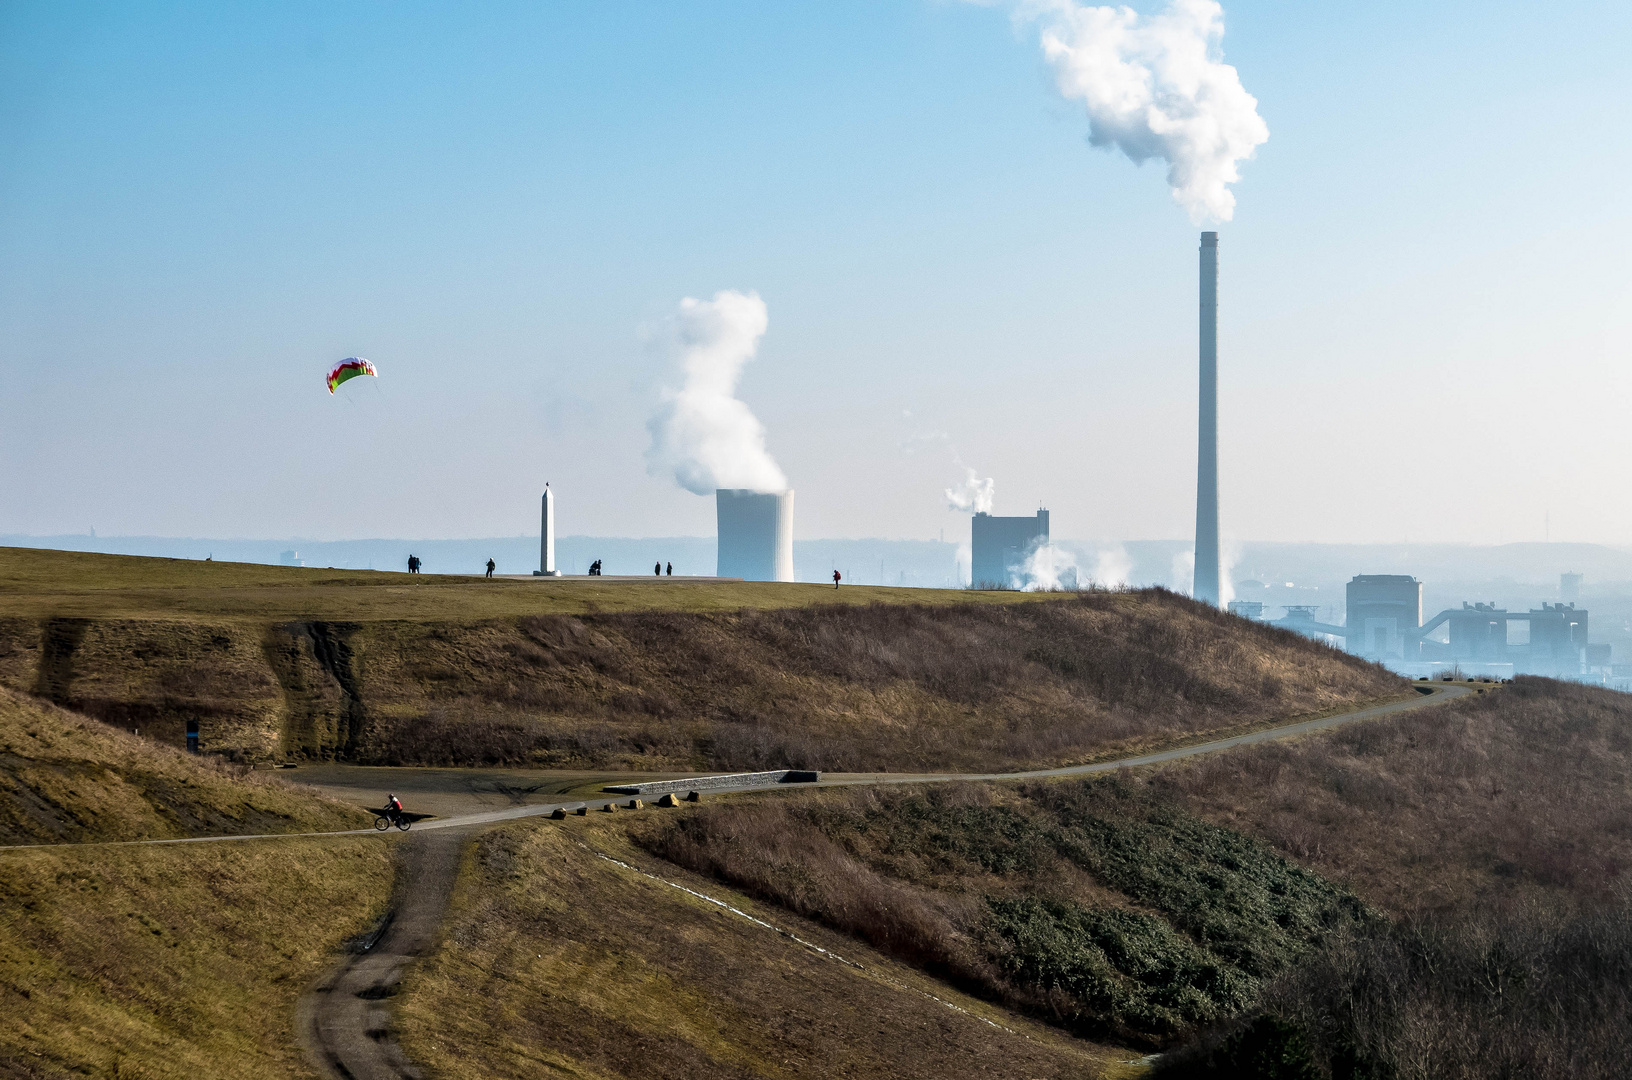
(349, 368)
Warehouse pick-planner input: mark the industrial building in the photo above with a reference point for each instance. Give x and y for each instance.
(1000, 546)
(755, 531)
(1384, 623)
(1384, 611)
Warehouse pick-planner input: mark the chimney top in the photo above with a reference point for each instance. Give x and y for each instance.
(1209, 239)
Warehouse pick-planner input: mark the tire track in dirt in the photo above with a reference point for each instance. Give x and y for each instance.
(345, 1022)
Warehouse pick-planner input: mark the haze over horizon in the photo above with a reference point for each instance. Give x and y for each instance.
(1424, 306)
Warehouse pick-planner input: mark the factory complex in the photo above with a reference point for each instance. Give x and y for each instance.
(1383, 621)
(1383, 617)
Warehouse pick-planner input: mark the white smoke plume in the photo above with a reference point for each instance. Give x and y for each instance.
(1183, 578)
(1112, 567)
(1156, 87)
(702, 434)
(1229, 557)
(1047, 567)
(974, 495)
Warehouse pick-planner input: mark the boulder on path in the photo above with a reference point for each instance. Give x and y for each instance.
(668, 800)
(694, 796)
(582, 811)
(635, 804)
(607, 808)
(558, 814)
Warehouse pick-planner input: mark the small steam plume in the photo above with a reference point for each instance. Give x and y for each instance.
(1184, 571)
(702, 434)
(1156, 88)
(1046, 568)
(974, 495)
(1112, 567)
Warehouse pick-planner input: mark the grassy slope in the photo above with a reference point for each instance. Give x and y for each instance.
(38, 583)
(64, 777)
(558, 963)
(1525, 791)
(174, 962)
(389, 669)
(1500, 828)
(1080, 901)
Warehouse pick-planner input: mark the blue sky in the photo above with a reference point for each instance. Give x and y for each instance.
(1426, 308)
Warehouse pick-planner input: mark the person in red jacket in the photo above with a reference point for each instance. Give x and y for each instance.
(835, 579)
(393, 807)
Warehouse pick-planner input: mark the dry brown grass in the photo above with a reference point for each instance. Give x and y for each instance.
(67, 778)
(558, 963)
(841, 689)
(1522, 791)
(416, 673)
(173, 962)
(1531, 993)
(1078, 901)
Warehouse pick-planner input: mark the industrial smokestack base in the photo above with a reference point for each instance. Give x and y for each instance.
(755, 534)
(1205, 586)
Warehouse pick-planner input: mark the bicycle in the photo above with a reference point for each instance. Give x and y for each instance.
(384, 821)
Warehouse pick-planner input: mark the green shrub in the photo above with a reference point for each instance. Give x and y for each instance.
(1126, 973)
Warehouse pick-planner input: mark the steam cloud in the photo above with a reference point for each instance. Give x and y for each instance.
(702, 434)
(1046, 568)
(974, 495)
(1156, 88)
(1112, 567)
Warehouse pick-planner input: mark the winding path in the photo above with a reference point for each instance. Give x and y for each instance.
(345, 1021)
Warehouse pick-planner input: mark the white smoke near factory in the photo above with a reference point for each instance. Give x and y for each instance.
(702, 435)
(974, 495)
(1047, 568)
(1156, 88)
(1112, 567)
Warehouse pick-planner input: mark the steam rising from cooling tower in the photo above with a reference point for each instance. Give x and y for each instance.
(974, 495)
(703, 435)
(1156, 88)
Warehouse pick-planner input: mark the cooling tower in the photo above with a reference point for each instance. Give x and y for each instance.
(1205, 586)
(755, 534)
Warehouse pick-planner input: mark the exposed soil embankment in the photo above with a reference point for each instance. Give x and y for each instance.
(66, 778)
(901, 687)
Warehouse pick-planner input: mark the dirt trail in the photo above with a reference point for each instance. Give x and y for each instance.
(346, 1022)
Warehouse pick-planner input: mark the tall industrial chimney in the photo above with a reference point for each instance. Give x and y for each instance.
(1205, 586)
(546, 537)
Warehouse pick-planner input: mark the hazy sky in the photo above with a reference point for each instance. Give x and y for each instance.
(1426, 306)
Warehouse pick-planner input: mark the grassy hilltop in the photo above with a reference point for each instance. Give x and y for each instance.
(393, 669)
(1439, 894)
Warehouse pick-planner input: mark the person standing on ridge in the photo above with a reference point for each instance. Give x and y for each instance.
(835, 579)
(491, 566)
(413, 564)
(670, 570)
(657, 569)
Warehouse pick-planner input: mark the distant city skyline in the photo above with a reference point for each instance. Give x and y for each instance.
(1424, 308)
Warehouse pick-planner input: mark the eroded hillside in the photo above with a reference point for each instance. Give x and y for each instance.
(65, 778)
(976, 685)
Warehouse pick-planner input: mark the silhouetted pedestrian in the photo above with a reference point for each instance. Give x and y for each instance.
(835, 579)
(413, 564)
(491, 566)
(670, 570)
